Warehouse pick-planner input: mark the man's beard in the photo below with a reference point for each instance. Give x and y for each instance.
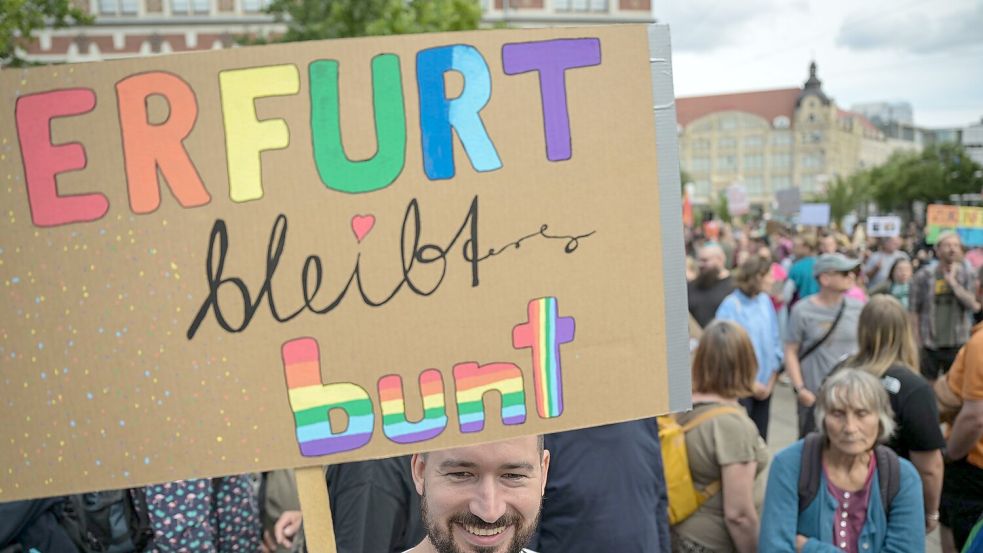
(442, 539)
(707, 278)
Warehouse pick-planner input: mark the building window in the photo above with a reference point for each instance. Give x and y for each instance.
(781, 161)
(190, 7)
(580, 5)
(727, 163)
(118, 7)
(700, 145)
(701, 164)
(780, 182)
(754, 161)
(755, 186)
(812, 161)
(728, 123)
(781, 122)
(753, 141)
(254, 6)
(702, 188)
(727, 143)
(781, 139)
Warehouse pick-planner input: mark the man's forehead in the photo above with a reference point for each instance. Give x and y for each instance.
(509, 453)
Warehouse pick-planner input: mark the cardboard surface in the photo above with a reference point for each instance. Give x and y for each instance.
(967, 221)
(816, 215)
(220, 287)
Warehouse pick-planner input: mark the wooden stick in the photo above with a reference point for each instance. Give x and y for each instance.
(313, 493)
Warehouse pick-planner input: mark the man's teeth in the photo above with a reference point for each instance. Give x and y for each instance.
(484, 531)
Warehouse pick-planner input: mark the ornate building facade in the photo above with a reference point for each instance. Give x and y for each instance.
(771, 140)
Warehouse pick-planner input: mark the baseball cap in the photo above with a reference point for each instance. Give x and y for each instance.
(834, 262)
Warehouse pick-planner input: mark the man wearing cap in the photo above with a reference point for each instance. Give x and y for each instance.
(822, 330)
(941, 303)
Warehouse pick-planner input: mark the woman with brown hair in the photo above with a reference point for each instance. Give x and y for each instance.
(888, 351)
(724, 450)
(750, 307)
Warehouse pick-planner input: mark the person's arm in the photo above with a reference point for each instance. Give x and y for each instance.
(929, 466)
(740, 517)
(967, 429)
(804, 396)
(780, 517)
(967, 297)
(788, 291)
(873, 265)
(726, 310)
(905, 522)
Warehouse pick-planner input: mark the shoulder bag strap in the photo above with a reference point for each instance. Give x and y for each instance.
(821, 341)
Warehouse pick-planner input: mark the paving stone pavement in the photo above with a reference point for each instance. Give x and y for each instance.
(783, 430)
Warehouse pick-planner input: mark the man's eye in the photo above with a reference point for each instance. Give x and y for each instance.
(514, 476)
(459, 475)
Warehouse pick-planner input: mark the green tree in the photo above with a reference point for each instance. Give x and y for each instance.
(321, 19)
(844, 195)
(931, 175)
(18, 18)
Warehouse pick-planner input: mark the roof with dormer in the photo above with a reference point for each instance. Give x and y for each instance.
(767, 104)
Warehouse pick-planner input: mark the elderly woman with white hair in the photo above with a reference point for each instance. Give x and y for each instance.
(838, 490)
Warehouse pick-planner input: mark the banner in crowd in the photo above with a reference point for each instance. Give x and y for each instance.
(886, 226)
(303, 254)
(816, 215)
(967, 221)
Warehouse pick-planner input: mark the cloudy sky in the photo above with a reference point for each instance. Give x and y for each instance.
(928, 53)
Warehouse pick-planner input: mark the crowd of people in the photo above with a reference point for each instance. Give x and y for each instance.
(875, 338)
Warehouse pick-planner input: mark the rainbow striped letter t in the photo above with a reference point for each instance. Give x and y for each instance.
(544, 333)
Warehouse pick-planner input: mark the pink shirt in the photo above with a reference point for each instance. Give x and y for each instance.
(857, 293)
(851, 510)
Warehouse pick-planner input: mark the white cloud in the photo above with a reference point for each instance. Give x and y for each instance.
(914, 32)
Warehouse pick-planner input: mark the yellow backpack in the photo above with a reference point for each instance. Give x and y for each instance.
(684, 498)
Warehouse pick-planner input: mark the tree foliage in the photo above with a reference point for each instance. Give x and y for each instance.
(18, 18)
(931, 175)
(845, 195)
(321, 19)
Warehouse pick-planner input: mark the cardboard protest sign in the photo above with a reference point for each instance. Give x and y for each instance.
(789, 201)
(884, 227)
(312, 253)
(815, 215)
(967, 221)
(738, 202)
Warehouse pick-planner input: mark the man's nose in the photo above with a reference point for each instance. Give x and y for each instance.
(488, 503)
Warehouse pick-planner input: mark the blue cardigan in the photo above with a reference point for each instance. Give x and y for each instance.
(905, 532)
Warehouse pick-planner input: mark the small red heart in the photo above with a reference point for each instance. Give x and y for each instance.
(361, 225)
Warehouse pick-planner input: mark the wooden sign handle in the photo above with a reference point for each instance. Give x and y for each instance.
(313, 494)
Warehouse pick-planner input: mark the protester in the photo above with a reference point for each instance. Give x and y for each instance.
(962, 488)
(711, 285)
(849, 511)
(218, 515)
(942, 303)
(881, 263)
(828, 244)
(725, 449)
(898, 282)
(822, 330)
(751, 307)
(591, 507)
(280, 513)
(32, 525)
(802, 281)
(374, 508)
(481, 498)
(888, 351)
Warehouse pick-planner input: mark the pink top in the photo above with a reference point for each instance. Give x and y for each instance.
(857, 293)
(851, 511)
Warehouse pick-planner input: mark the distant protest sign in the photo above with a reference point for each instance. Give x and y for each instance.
(967, 221)
(304, 254)
(884, 227)
(738, 202)
(815, 215)
(789, 201)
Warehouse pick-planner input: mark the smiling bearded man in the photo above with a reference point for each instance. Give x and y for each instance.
(481, 499)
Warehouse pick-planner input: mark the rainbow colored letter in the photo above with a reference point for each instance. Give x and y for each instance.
(312, 401)
(394, 423)
(544, 333)
(472, 381)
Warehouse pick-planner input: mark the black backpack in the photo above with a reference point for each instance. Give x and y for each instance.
(888, 472)
(113, 521)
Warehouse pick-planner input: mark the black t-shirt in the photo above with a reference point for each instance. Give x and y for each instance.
(375, 506)
(606, 491)
(703, 302)
(915, 411)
